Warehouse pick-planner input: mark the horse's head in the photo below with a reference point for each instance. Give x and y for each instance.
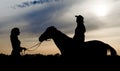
(47, 34)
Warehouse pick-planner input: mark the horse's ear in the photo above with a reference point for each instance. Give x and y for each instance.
(53, 27)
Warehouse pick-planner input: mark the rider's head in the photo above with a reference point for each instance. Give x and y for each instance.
(79, 18)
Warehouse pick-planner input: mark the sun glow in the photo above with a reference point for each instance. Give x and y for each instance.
(100, 10)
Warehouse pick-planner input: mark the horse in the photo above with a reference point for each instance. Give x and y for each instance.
(68, 47)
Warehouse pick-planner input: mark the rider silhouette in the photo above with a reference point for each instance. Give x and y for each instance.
(15, 42)
(80, 30)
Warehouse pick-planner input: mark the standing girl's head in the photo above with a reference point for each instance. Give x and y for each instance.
(15, 31)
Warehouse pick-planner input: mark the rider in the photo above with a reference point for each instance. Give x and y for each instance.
(80, 30)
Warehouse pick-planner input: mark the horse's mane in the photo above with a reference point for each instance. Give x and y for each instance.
(57, 32)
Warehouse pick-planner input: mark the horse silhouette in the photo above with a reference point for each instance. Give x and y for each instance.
(69, 48)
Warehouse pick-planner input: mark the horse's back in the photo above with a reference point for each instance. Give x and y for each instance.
(98, 48)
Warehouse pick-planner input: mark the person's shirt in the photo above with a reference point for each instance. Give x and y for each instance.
(15, 42)
(79, 31)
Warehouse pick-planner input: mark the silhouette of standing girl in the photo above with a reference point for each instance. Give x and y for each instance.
(80, 29)
(15, 42)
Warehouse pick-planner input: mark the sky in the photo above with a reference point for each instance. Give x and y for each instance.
(32, 17)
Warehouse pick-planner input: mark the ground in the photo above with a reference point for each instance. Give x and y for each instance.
(57, 61)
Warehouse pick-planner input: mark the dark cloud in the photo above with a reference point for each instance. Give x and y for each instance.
(29, 3)
(40, 19)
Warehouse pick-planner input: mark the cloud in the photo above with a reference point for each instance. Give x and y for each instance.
(93, 24)
(41, 18)
(112, 19)
(55, 15)
(61, 16)
(50, 15)
(35, 2)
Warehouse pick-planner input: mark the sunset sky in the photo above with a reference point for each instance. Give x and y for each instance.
(32, 17)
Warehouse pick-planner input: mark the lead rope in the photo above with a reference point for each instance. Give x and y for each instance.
(38, 44)
(30, 48)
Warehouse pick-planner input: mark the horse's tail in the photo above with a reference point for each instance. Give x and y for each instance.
(112, 50)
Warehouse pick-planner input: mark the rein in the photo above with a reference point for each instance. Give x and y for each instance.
(36, 45)
(30, 48)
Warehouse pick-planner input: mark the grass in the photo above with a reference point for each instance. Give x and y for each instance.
(40, 61)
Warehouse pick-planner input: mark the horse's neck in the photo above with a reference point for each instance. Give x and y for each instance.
(59, 37)
(61, 40)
